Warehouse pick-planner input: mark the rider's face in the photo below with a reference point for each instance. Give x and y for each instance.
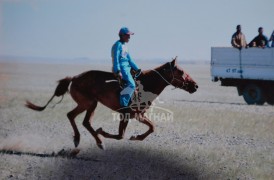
(125, 37)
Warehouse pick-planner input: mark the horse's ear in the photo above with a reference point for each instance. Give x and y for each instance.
(174, 62)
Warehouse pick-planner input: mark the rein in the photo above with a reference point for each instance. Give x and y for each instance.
(162, 77)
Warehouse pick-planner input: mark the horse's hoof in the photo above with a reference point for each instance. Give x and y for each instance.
(101, 146)
(74, 152)
(76, 142)
(133, 138)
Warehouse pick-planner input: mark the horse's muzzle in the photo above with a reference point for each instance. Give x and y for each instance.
(193, 89)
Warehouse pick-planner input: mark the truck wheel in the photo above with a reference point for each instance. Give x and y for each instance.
(254, 94)
(270, 96)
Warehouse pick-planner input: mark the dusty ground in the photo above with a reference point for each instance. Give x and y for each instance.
(213, 133)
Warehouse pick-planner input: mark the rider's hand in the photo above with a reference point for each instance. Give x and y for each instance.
(118, 75)
(138, 72)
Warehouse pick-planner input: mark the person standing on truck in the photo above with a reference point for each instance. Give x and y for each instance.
(260, 41)
(272, 39)
(238, 38)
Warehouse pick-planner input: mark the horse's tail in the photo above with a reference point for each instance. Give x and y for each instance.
(60, 90)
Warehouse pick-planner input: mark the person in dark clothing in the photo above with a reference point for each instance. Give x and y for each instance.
(260, 41)
(272, 39)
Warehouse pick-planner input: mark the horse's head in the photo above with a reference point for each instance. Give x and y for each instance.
(176, 76)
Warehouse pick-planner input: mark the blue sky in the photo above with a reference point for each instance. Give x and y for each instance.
(163, 29)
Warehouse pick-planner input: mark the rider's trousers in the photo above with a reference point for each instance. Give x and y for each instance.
(129, 88)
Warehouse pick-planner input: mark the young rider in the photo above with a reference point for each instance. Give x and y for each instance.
(122, 64)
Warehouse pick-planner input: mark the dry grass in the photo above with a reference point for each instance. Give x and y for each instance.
(214, 134)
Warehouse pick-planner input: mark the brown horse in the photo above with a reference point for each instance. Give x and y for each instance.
(89, 88)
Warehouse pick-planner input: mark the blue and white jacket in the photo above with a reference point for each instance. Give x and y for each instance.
(121, 57)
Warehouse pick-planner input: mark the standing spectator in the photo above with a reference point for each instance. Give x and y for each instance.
(259, 41)
(272, 39)
(238, 38)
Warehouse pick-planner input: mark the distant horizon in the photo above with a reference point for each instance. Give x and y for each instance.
(83, 60)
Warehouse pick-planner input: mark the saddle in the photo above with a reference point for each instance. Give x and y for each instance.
(135, 75)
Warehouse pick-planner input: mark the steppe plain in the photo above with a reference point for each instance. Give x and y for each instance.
(214, 134)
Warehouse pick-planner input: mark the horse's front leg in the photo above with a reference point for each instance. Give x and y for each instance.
(122, 129)
(87, 125)
(71, 116)
(147, 122)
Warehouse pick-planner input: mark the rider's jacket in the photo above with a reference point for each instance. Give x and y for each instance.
(121, 58)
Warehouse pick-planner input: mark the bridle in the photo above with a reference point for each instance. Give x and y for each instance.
(185, 84)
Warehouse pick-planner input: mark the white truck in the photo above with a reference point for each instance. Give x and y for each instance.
(250, 70)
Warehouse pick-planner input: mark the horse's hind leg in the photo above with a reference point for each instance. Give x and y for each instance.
(87, 125)
(71, 116)
(122, 128)
(147, 122)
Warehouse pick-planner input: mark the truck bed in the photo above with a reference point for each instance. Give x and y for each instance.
(251, 63)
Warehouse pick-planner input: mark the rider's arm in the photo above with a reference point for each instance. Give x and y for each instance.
(132, 63)
(116, 51)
